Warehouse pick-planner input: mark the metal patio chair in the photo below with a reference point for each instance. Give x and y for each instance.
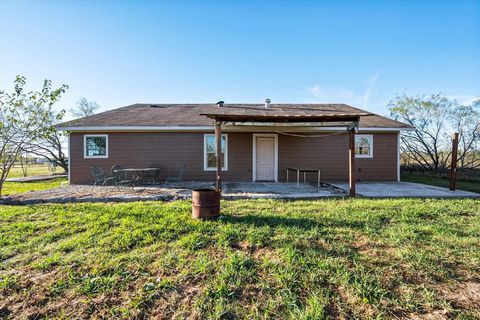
(177, 177)
(100, 176)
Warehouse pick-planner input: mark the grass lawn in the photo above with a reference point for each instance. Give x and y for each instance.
(356, 258)
(32, 171)
(439, 182)
(19, 187)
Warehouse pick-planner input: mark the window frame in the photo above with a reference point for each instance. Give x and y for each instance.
(205, 157)
(365, 156)
(85, 155)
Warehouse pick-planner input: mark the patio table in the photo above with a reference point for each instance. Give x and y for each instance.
(304, 171)
(137, 172)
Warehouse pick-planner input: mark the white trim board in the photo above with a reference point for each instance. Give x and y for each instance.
(69, 157)
(224, 128)
(254, 154)
(398, 156)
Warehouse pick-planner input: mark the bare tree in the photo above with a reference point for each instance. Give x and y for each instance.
(466, 121)
(435, 118)
(22, 120)
(50, 142)
(429, 115)
(84, 108)
(24, 163)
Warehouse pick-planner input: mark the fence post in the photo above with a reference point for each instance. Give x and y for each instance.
(453, 166)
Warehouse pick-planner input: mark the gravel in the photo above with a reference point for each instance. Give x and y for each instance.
(164, 192)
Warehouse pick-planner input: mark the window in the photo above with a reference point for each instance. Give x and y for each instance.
(363, 146)
(96, 146)
(209, 149)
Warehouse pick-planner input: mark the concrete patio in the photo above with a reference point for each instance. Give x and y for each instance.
(279, 190)
(404, 190)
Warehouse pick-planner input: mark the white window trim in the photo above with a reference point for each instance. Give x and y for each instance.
(70, 157)
(205, 162)
(254, 161)
(85, 156)
(398, 156)
(365, 156)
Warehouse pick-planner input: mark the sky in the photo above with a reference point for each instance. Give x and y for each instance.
(360, 53)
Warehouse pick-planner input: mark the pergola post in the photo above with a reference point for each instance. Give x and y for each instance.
(453, 166)
(218, 154)
(351, 161)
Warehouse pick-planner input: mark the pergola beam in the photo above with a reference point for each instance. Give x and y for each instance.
(218, 154)
(351, 162)
(284, 118)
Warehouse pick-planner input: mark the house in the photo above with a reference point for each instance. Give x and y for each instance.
(258, 141)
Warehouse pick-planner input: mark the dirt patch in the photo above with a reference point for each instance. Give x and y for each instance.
(465, 295)
(461, 296)
(435, 315)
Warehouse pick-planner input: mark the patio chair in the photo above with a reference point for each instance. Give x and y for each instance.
(176, 177)
(100, 176)
(152, 176)
(120, 176)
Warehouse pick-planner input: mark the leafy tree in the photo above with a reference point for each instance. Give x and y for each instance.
(84, 108)
(23, 119)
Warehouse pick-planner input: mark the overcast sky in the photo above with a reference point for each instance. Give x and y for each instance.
(359, 53)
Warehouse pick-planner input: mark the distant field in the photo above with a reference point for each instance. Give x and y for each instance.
(266, 259)
(35, 170)
(442, 182)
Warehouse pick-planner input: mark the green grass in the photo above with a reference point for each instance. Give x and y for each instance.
(19, 187)
(356, 258)
(34, 170)
(442, 182)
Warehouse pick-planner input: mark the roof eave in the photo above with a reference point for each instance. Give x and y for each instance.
(208, 128)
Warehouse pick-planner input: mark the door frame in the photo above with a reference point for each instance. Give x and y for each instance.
(254, 157)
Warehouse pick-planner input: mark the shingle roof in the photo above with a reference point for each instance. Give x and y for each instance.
(191, 114)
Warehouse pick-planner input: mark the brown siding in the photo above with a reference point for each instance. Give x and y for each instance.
(171, 150)
(330, 155)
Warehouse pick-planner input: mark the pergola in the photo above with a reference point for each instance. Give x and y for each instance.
(348, 121)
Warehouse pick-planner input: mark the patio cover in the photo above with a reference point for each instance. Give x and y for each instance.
(283, 115)
(279, 115)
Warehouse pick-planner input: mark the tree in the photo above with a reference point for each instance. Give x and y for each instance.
(49, 141)
(466, 121)
(84, 108)
(435, 118)
(24, 163)
(22, 120)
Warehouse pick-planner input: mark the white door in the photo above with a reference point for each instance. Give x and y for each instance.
(265, 162)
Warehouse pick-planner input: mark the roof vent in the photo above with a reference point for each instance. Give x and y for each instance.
(220, 103)
(267, 103)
